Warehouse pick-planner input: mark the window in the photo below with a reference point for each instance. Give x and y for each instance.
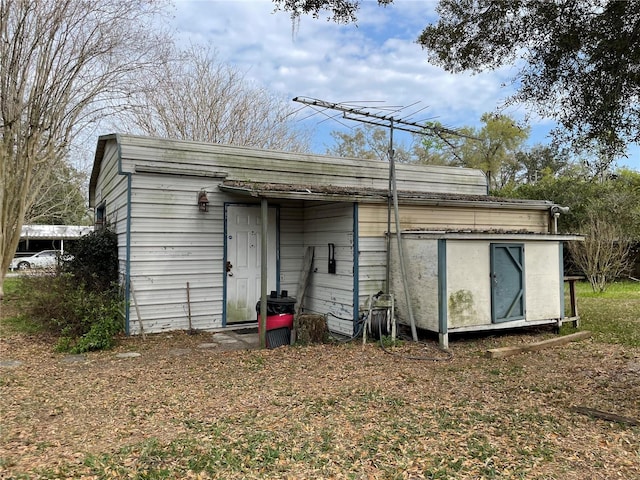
(101, 218)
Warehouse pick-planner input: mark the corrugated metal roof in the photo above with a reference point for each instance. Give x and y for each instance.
(64, 232)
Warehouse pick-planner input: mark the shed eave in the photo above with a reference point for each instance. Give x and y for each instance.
(406, 198)
(302, 195)
(489, 235)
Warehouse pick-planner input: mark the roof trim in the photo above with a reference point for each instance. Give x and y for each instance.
(189, 172)
(97, 164)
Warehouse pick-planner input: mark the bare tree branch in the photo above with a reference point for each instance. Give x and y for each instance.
(199, 98)
(62, 62)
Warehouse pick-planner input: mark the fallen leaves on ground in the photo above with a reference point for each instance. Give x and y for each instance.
(322, 411)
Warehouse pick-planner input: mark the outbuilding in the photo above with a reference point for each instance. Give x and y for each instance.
(191, 218)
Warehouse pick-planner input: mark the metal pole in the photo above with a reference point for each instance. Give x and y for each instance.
(403, 271)
(264, 210)
(389, 207)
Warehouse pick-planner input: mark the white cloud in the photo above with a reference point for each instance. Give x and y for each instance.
(377, 60)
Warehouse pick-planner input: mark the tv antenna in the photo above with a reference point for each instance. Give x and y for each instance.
(383, 119)
(387, 120)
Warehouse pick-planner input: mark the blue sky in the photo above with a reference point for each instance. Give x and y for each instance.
(376, 60)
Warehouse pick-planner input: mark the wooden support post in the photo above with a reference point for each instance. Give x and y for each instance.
(263, 272)
(575, 317)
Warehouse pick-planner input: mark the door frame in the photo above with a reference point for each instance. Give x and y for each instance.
(225, 247)
(495, 278)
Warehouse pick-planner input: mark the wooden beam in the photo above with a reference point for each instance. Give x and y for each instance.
(612, 417)
(303, 280)
(502, 352)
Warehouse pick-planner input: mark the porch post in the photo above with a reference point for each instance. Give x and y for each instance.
(264, 210)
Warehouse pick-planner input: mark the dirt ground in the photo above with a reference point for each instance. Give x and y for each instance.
(380, 415)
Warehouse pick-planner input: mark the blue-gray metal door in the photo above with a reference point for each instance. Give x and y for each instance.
(507, 282)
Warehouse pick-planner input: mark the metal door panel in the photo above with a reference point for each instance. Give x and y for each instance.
(507, 282)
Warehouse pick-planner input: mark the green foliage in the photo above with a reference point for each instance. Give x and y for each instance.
(367, 142)
(607, 211)
(612, 316)
(617, 197)
(343, 11)
(579, 64)
(494, 150)
(95, 259)
(82, 303)
(84, 319)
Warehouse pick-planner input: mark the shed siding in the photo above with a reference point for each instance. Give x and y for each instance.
(112, 193)
(468, 283)
(172, 243)
(469, 296)
(373, 219)
(291, 245)
(248, 164)
(327, 293)
(542, 276)
(421, 266)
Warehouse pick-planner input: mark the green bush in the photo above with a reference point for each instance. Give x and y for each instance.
(81, 303)
(94, 261)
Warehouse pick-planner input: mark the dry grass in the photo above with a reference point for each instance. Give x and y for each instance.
(328, 411)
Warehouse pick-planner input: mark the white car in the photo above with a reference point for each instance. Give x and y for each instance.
(43, 259)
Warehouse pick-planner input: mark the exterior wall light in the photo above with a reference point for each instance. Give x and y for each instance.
(203, 201)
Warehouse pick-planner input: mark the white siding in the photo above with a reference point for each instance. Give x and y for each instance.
(331, 293)
(249, 164)
(421, 264)
(291, 245)
(112, 195)
(372, 274)
(542, 275)
(173, 244)
(468, 283)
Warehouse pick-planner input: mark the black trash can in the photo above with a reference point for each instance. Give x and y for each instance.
(280, 311)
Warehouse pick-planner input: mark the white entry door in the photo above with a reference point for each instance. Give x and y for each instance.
(244, 241)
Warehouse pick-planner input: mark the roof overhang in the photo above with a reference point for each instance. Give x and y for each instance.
(349, 194)
(494, 235)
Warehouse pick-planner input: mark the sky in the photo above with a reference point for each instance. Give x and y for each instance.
(375, 65)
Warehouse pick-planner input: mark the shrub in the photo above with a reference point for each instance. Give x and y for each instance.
(94, 261)
(81, 302)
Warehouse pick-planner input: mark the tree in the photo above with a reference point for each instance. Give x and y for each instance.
(492, 148)
(369, 142)
(604, 255)
(540, 161)
(606, 211)
(577, 61)
(64, 63)
(196, 97)
(339, 11)
(61, 200)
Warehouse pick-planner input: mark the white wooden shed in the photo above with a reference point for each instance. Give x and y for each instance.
(190, 268)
